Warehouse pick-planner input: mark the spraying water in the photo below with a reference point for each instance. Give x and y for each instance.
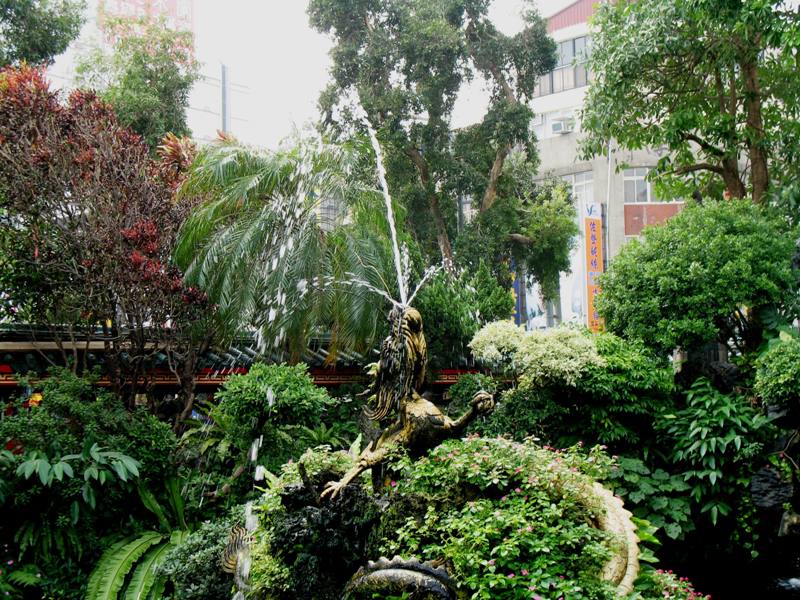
(401, 282)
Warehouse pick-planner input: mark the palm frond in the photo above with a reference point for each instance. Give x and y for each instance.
(258, 248)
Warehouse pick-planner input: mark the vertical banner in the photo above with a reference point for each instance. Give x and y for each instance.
(593, 231)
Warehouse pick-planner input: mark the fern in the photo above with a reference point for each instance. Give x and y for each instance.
(109, 575)
(26, 576)
(144, 579)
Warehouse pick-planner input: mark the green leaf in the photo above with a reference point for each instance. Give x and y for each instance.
(144, 577)
(109, 574)
(150, 503)
(120, 470)
(88, 495)
(94, 452)
(90, 473)
(43, 470)
(175, 499)
(26, 469)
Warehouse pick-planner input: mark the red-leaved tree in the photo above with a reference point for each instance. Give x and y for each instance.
(89, 224)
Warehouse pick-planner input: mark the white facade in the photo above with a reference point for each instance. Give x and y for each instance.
(598, 181)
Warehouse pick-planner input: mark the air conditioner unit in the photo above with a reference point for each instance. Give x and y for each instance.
(563, 126)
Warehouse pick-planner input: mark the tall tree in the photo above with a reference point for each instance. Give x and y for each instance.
(88, 228)
(711, 81)
(35, 31)
(147, 76)
(407, 60)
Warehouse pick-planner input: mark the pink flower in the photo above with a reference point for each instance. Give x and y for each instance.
(491, 562)
(511, 576)
(393, 483)
(524, 572)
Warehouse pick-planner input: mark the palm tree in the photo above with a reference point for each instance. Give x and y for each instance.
(259, 245)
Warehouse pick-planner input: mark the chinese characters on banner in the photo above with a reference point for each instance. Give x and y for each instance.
(593, 230)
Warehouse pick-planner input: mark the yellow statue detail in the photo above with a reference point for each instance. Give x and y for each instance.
(400, 374)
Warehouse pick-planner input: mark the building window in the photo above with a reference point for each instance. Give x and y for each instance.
(570, 71)
(582, 189)
(637, 188)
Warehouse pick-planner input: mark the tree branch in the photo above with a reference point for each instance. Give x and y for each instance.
(698, 167)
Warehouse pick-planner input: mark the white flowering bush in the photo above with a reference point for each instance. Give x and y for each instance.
(496, 344)
(558, 355)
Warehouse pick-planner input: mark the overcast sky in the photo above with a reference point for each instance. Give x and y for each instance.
(269, 47)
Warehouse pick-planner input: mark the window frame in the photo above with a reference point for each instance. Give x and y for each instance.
(635, 178)
(580, 76)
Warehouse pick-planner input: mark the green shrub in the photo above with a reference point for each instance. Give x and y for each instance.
(263, 403)
(778, 373)
(685, 283)
(195, 566)
(657, 584)
(556, 356)
(618, 401)
(453, 308)
(654, 495)
(575, 386)
(718, 440)
(496, 344)
(507, 519)
(63, 512)
(559, 355)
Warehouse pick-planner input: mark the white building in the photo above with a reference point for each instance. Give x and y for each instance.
(613, 184)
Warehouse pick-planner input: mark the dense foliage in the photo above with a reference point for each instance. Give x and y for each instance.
(705, 275)
(263, 403)
(777, 378)
(193, 568)
(89, 225)
(146, 77)
(454, 307)
(508, 519)
(36, 31)
(653, 494)
(710, 81)
(405, 63)
(717, 439)
(71, 481)
(573, 386)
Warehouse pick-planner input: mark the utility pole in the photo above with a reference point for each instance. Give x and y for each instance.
(226, 113)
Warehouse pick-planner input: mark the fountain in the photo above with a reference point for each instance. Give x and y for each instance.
(417, 427)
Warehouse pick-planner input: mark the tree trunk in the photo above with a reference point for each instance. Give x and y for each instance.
(490, 193)
(730, 175)
(759, 174)
(433, 204)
